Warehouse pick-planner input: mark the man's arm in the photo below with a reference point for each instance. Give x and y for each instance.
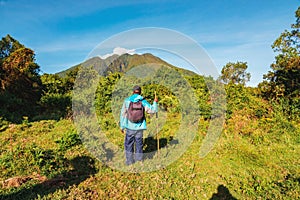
(123, 117)
(150, 108)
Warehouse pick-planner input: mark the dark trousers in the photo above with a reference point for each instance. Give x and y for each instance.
(133, 140)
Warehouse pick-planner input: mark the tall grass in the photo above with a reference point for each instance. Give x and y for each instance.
(258, 166)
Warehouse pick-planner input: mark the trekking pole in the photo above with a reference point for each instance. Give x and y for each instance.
(156, 115)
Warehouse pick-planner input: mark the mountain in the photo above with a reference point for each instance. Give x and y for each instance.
(123, 63)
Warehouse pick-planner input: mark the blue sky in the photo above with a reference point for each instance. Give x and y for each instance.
(62, 33)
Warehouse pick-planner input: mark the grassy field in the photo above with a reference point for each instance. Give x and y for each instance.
(46, 160)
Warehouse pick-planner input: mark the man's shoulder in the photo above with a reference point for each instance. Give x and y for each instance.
(135, 98)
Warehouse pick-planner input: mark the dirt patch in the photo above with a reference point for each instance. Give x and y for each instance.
(20, 180)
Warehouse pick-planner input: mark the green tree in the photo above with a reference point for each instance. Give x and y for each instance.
(52, 83)
(19, 80)
(21, 74)
(56, 95)
(69, 80)
(8, 45)
(284, 80)
(235, 73)
(282, 83)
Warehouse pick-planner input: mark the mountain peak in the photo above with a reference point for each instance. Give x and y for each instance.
(122, 63)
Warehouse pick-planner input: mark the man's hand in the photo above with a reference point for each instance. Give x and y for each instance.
(122, 130)
(155, 97)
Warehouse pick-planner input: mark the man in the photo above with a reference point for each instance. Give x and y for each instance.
(134, 129)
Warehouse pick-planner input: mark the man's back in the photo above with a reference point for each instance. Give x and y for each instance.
(141, 125)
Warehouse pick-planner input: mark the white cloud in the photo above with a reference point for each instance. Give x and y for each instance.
(118, 51)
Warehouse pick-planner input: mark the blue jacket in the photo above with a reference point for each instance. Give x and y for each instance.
(125, 123)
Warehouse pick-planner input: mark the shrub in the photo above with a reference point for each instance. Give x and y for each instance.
(67, 141)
